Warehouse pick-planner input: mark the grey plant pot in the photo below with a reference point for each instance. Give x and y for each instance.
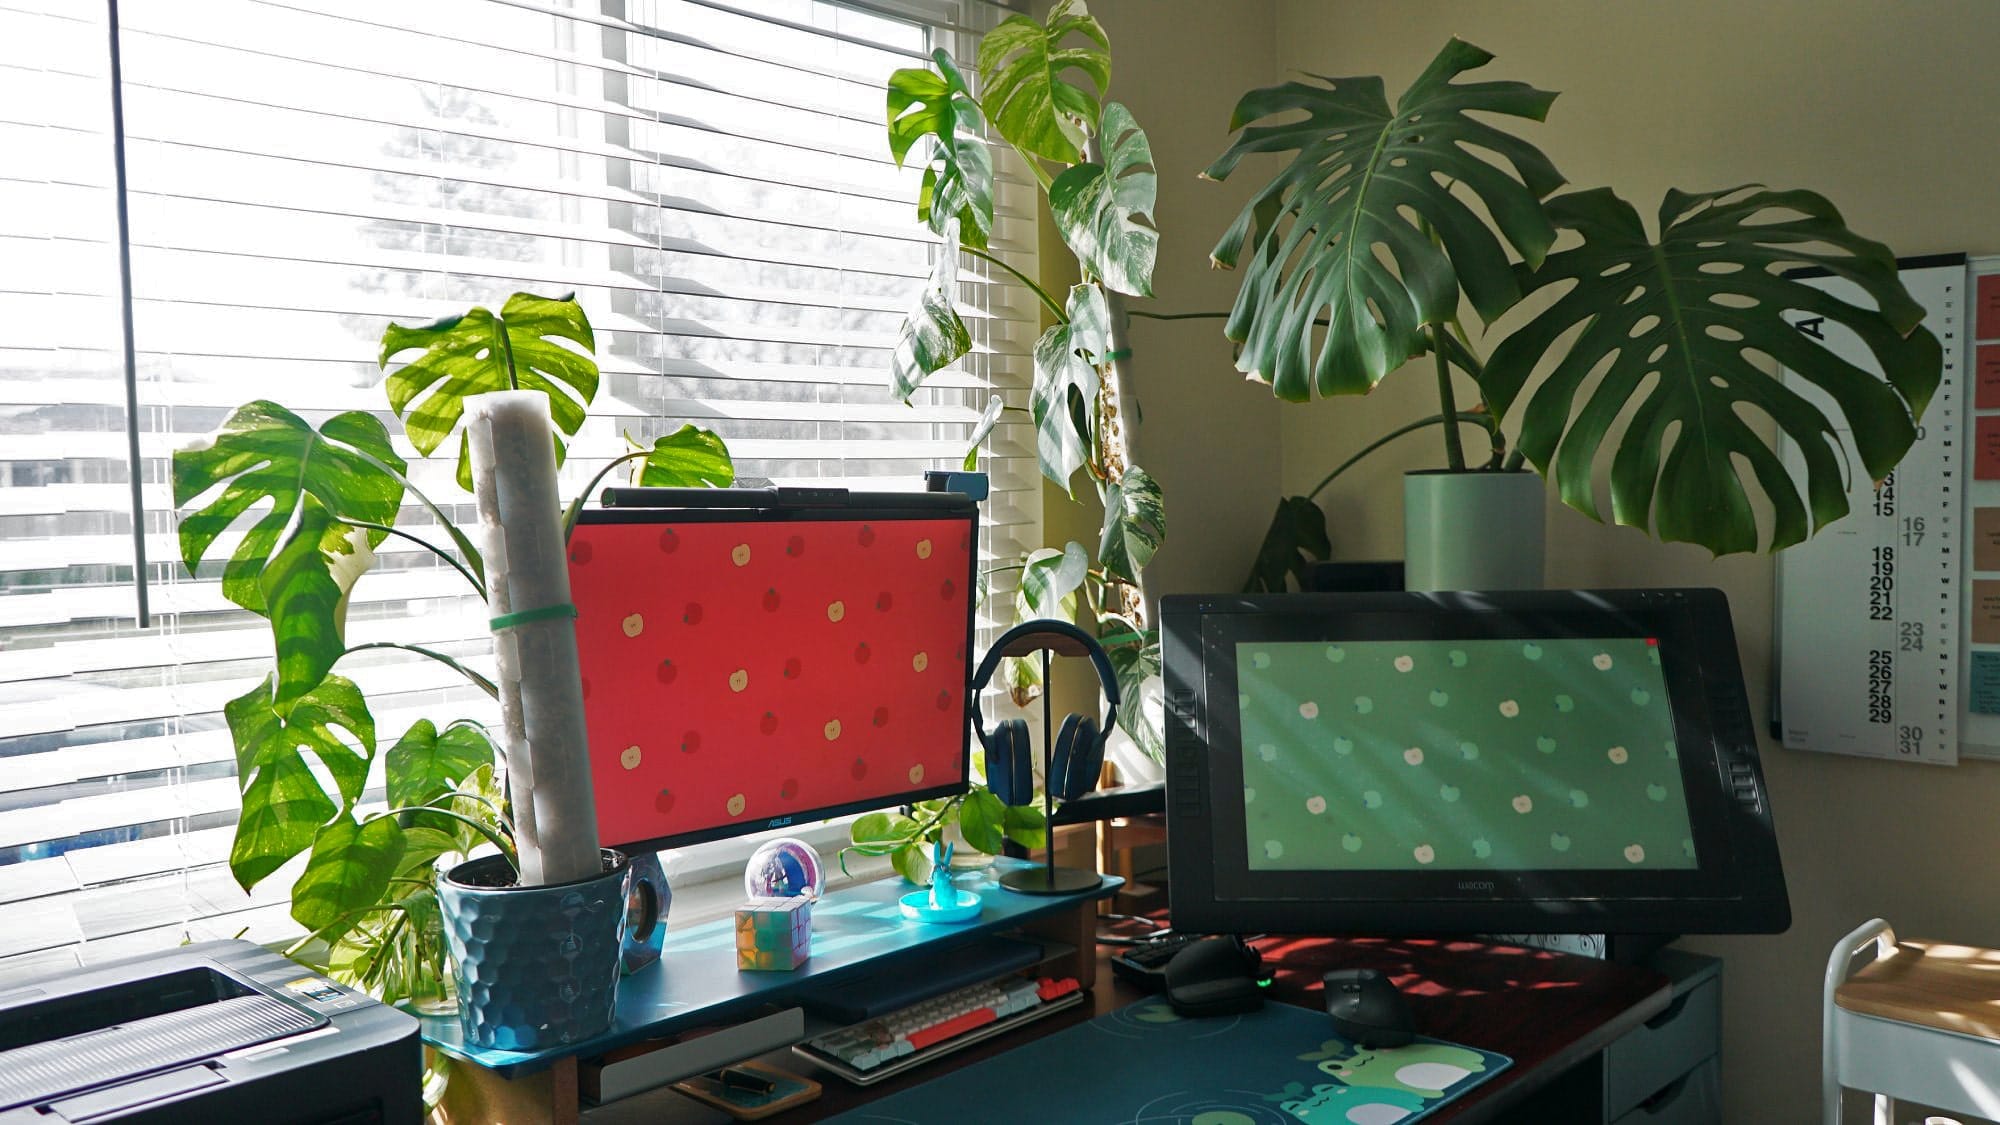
(536, 966)
(1472, 531)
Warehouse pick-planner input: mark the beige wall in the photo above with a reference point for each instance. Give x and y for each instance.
(1210, 439)
(1887, 109)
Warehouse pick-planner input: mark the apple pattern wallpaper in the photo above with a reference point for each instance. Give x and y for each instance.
(736, 672)
(1460, 755)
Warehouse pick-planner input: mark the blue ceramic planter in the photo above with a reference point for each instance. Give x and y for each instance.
(536, 966)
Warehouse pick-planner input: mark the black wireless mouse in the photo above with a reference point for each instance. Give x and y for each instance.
(1216, 976)
(1367, 1008)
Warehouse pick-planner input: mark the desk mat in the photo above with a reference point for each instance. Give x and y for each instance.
(1144, 1065)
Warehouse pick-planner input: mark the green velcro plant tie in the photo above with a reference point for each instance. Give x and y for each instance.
(1121, 353)
(509, 620)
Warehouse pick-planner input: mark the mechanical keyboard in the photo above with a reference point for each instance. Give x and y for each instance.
(874, 1049)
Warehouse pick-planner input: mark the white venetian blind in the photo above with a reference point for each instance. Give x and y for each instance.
(710, 178)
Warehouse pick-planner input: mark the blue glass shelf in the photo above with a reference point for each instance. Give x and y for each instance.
(696, 982)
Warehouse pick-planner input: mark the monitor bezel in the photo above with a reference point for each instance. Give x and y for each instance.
(855, 508)
(1737, 885)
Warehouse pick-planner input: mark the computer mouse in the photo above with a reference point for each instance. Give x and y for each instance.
(1216, 976)
(1367, 1008)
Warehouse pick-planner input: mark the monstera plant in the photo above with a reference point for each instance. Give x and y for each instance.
(1387, 221)
(1042, 90)
(1042, 87)
(321, 498)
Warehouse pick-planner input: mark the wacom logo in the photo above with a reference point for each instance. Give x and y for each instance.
(1476, 885)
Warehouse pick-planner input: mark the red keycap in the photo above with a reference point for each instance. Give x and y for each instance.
(1052, 987)
(956, 1025)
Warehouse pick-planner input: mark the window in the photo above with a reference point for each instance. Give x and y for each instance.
(710, 178)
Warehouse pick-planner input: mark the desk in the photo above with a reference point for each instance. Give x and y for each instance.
(1554, 1014)
(696, 983)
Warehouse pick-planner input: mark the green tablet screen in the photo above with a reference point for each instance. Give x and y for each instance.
(1497, 755)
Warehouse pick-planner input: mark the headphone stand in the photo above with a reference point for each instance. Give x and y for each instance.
(1049, 879)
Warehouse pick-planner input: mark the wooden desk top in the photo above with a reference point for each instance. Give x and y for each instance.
(1548, 1011)
(1930, 984)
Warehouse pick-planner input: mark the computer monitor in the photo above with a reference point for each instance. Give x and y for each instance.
(1405, 763)
(757, 658)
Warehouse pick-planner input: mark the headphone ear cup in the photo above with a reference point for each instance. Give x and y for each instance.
(1065, 755)
(1086, 761)
(1009, 772)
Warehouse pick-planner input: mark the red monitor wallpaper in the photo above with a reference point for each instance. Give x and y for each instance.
(737, 672)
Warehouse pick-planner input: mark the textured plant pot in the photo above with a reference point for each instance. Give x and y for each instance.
(1472, 531)
(536, 966)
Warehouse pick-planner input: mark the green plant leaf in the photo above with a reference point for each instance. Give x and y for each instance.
(348, 873)
(958, 179)
(283, 803)
(1295, 540)
(1135, 524)
(981, 820)
(688, 458)
(1370, 183)
(932, 337)
(1026, 826)
(1694, 316)
(295, 564)
(881, 828)
(1066, 384)
(425, 763)
(1105, 211)
(422, 846)
(1135, 657)
(988, 418)
(912, 861)
(1022, 67)
(1049, 582)
(477, 352)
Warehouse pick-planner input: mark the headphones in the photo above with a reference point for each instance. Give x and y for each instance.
(1078, 756)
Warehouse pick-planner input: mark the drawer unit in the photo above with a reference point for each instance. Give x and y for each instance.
(1695, 1098)
(1670, 1046)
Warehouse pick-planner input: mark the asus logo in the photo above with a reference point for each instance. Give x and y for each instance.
(782, 821)
(1476, 885)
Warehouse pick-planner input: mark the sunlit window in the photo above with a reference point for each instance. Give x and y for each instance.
(710, 178)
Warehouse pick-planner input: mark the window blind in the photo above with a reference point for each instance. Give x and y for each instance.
(710, 178)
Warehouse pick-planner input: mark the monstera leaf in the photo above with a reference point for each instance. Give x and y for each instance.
(1135, 524)
(1691, 315)
(988, 418)
(1295, 540)
(1135, 658)
(296, 562)
(477, 352)
(689, 457)
(958, 180)
(1366, 181)
(1024, 65)
(283, 803)
(1049, 582)
(1066, 384)
(348, 872)
(1105, 211)
(932, 336)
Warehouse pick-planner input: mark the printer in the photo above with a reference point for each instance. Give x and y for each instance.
(220, 1031)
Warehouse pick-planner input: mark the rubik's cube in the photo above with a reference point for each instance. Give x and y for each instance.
(773, 934)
